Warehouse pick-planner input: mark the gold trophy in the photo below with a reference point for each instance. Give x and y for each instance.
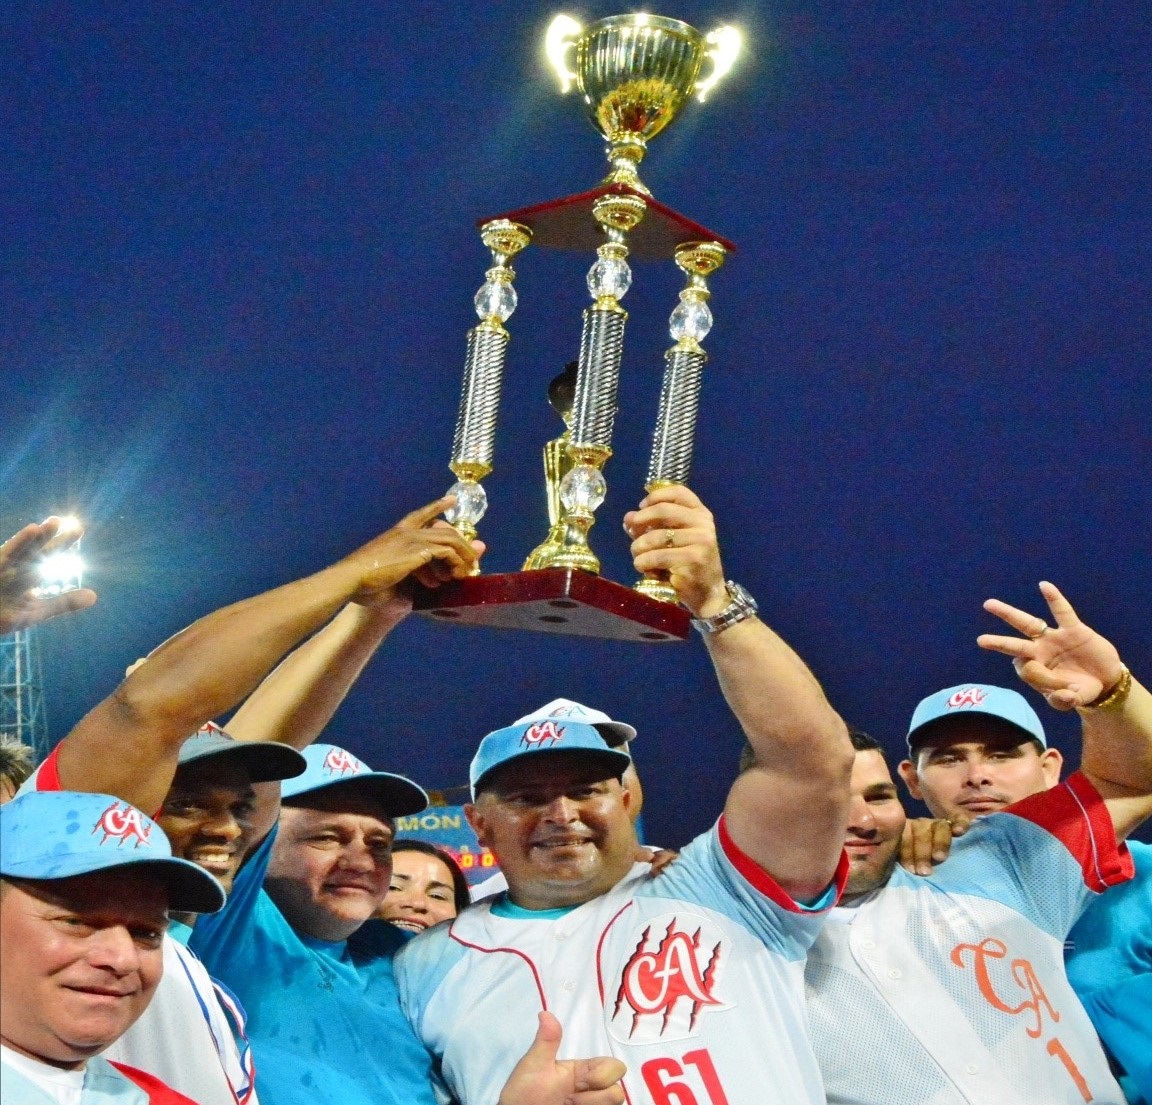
(635, 73)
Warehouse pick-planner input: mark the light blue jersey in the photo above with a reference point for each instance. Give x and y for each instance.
(951, 989)
(28, 1082)
(324, 1018)
(693, 978)
(1110, 968)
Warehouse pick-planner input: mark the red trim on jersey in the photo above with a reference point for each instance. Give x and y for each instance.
(1075, 814)
(159, 1093)
(600, 948)
(510, 951)
(753, 873)
(48, 777)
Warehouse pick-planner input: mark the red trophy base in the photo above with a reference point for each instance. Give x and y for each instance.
(567, 223)
(567, 601)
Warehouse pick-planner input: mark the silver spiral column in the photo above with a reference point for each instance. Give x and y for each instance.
(475, 434)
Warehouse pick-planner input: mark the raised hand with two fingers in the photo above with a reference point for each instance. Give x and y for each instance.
(1069, 663)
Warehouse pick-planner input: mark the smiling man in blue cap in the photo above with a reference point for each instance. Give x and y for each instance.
(87, 883)
(694, 978)
(317, 996)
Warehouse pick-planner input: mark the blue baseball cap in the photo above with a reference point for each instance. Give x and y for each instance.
(617, 734)
(265, 761)
(58, 834)
(330, 766)
(977, 698)
(539, 738)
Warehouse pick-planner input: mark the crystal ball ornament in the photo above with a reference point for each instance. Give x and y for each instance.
(609, 276)
(471, 502)
(692, 318)
(495, 299)
(583, 489)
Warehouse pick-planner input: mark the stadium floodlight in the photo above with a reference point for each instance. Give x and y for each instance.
(63, 570)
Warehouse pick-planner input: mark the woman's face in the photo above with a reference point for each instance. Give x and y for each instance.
(420, 894)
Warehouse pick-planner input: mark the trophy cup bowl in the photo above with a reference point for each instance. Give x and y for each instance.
(636, 72)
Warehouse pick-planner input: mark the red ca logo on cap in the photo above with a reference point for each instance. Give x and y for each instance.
(543, 732)
(969, 696)
(339, 762)
(124, 822)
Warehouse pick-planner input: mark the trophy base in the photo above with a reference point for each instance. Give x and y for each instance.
(555, 600)
(567, 223)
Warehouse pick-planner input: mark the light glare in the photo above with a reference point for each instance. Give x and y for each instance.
(61, 571)
(562, 31)
(725, 43)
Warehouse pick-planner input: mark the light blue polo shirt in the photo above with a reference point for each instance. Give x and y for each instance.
(324, 1018)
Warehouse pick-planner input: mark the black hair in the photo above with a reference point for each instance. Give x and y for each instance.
(861, 741)
(460, 892)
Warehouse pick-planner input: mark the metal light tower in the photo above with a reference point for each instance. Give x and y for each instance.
(21, 691)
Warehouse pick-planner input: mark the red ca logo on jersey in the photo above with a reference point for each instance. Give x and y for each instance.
(969, 696)
(123, 822)
(664, 988)
(339, 762)
(541, 734)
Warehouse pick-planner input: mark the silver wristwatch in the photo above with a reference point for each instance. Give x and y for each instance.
(742, 606)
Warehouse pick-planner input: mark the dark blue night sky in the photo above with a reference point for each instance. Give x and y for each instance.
(238, 265)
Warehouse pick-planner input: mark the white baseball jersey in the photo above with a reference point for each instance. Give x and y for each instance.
(184, 1037)
(951, 990)
(693, 978)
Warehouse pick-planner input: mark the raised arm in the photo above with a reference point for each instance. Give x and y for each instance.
(1074, 667)
(297, 700)
(128, 744)
(21, 604)
(787, 812)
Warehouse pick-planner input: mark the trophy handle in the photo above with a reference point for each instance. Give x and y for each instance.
(562, 34)
(723, 48)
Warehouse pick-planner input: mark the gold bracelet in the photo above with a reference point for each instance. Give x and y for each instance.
(1115, 697)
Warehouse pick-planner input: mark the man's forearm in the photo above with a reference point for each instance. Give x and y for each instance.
(127, 745)
(1117, 755)
(776, 698)
(296, 702)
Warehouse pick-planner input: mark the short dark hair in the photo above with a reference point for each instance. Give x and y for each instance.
(460, 892)
(862, 742)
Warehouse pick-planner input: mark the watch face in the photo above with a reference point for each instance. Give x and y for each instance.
(740, 595)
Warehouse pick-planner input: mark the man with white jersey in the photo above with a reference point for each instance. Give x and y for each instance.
(693, 978)
(951, 989)
(86, 886)
(975, 750)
